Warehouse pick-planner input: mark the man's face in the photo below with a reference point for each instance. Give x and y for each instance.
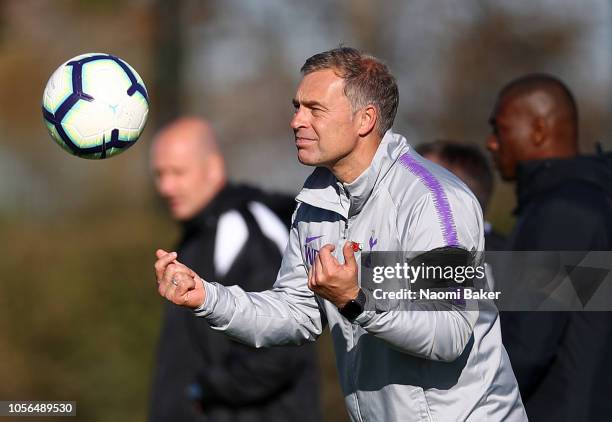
(179, 168)
(510, 140)
(323, 124)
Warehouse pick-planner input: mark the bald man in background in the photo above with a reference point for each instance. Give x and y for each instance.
(561, 359)
(230, 233)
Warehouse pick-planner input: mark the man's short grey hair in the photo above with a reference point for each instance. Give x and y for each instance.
(366, 81)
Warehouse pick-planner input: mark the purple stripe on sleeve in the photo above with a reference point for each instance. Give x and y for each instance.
(445, 215)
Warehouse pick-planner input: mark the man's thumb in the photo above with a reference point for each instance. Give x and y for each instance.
(349, 254)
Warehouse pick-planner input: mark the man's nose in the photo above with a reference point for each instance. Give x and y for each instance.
(165, 186)
(299, 119)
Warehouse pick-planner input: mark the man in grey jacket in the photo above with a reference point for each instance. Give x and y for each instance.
(435, 361)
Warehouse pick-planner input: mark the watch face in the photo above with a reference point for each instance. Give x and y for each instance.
(351, 310)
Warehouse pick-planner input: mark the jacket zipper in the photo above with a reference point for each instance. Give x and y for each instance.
(354, 377)
(346, 228)
(348, 217)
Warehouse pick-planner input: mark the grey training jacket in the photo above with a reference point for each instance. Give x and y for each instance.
(444, 365)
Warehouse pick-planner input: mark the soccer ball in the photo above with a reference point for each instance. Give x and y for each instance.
(95, 106)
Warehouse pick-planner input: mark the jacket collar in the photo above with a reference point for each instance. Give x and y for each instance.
(230, 196)
(323, 190)
(206, 218)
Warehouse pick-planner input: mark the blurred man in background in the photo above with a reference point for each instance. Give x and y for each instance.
(230, 233)
(469, 164)
(561, 359)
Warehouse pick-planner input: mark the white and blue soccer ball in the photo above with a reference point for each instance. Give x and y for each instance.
(95, 106)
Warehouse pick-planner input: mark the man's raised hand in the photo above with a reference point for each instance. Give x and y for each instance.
(334, 281)
(177, 282)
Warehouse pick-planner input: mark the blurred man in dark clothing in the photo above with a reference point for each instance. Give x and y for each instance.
(469, 164)
(561, 359)
(230, 233)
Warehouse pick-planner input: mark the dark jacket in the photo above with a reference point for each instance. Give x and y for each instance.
(233, 382)
(562, 359)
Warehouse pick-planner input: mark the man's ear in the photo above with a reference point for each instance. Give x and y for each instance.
(540, 131)
(367, 120)
(216, 168)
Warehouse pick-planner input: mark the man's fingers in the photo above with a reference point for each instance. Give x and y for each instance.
(162, 262)
(313, 276)
(349, 254)
(313, 272)
(178, 283)
(159, 253)
(190, 291)
(175, 285)
(328, 248)
(172, 271)
(311, 283)
(164, 288)
(183, 282)
(185, 268)
(165, 259)
(318, 269)
(328, 261)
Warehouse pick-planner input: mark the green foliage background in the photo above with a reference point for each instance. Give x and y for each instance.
(80, 313)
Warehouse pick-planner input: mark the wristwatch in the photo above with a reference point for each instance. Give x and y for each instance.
(353, 308)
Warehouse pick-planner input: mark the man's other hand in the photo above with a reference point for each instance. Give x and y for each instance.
(177, 282)
(334, 281)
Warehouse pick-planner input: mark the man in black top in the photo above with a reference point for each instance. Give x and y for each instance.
(561, 359)
(234, 234)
